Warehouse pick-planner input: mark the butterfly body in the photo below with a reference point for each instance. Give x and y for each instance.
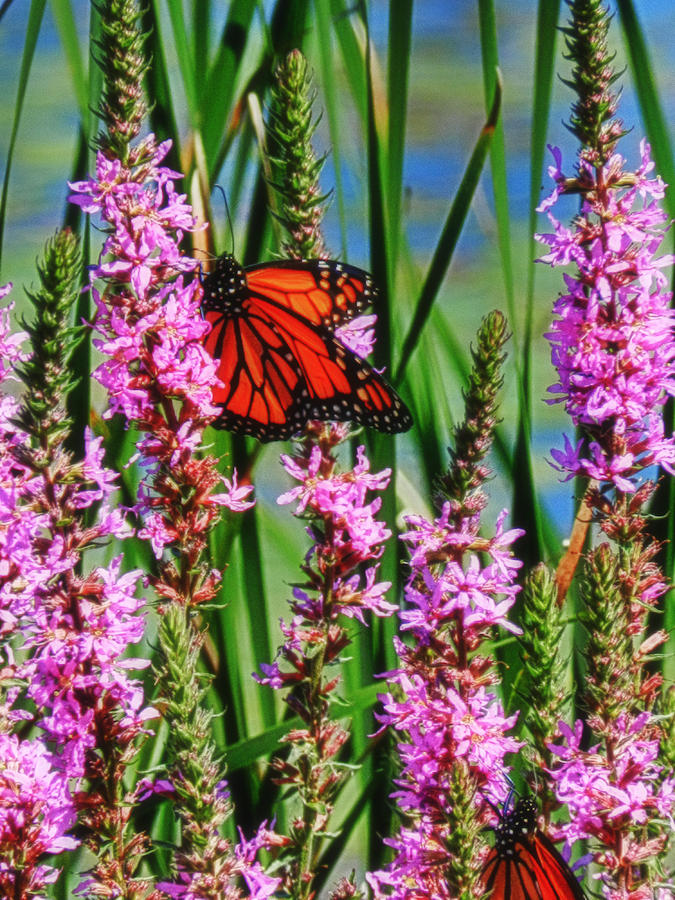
(278, 358)
(524, 864)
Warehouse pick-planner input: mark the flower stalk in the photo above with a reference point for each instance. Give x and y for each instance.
(159, 378)
(346, 536)
(453, 734)
(76, 623)
(613, 348)
(342, 524)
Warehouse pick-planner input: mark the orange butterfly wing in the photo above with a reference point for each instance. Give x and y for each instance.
(524, 864)
(278, 359)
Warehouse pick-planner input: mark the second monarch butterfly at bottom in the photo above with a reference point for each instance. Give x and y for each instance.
(524, 864)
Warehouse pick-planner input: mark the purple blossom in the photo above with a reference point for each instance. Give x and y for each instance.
(240, 877)
(607, 795)
(449, 720)
(358, 335)
(345, 534)
(349, 534)
(612, 339)
(156, 371)
(36, 814)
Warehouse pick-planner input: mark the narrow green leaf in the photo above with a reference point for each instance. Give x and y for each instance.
(490, 58)
(377, 220)
(37, 8)
(544, 70)
(64, 16)
(185, 56)
(526, 509)
(162, 115)
(400, 41)
(201, 18)
(222, 76)
(255, 601)
(448, 239)
(288, 27)
(333, 110)
(352, 42)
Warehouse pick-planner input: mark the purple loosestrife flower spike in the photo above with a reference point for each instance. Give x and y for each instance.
(451, 728)
(341, 572)
(159, 378)
(611, 341)
(343, 526)
(613, 347)
(76, 624)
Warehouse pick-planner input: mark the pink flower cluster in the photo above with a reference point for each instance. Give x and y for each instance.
(36, 814)
(160, 378)
(156, 371)
(345, 534)
(242, 866)
(612, 339)
(76, 626)
(601, 793)
(350, 534)
(448, 718)
(608, 797)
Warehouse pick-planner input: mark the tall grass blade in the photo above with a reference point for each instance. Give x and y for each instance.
(65, 19)
(526, 509)
(490, 59)
(162, 115)
(184, 54)
(351, 39)
(398, 69)
(448, 239)
(37, 8)
(220, 84)
(79, 399)
(201, 18)
(333, 111)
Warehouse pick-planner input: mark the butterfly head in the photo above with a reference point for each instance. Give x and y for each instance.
(514, 826)
(225, 285)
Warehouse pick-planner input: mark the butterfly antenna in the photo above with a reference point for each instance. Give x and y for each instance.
(229, 217)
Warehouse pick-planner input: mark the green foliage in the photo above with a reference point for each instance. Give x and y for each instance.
(206, 73)
(53, 341)
(543, 690)
(295, 170)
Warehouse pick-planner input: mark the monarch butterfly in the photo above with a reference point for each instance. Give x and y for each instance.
(272, 337)
(524, 864)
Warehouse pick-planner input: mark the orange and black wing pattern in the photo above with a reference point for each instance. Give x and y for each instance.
(524, 864)
(278, 359)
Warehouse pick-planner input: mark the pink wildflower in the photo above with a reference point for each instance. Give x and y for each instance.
(612, 339)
